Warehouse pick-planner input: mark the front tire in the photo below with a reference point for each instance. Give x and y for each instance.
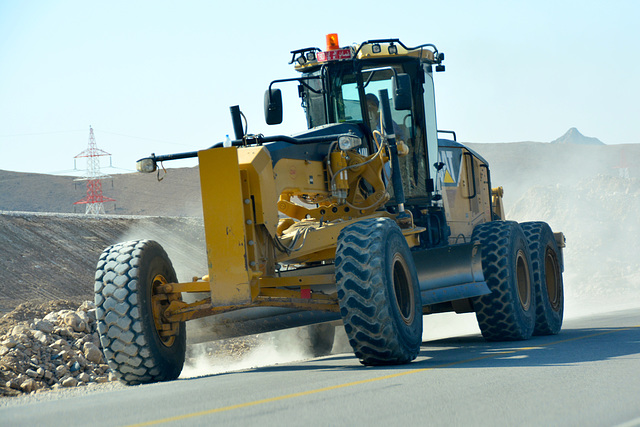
(378, 292)
(508, 312)
(546, 264)
(138, 344)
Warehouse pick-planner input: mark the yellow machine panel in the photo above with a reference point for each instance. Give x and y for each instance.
(257, 162)
(224, 227)
(465, 192)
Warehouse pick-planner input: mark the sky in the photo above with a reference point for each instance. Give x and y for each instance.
(160, 76)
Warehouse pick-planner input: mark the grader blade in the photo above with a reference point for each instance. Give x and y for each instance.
(254, 320)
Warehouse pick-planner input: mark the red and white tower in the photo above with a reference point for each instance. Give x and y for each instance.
(94, 197)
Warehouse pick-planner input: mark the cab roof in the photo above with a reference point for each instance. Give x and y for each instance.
(305, 59)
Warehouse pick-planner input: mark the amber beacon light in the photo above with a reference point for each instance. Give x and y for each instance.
(332, 42)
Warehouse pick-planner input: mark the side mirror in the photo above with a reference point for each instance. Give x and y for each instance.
(273, 106)
(401, 87)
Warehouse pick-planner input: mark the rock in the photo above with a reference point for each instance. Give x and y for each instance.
(84, 377)
(10, 342)
(60, 343)
(92, 353)
(44, 326)
(3, 350)
(23, 338)
(81, 360)
(75, 322)
(69, 382)
(19, 329)
(95, 339)
(85, 318)
(51, 317)
(61, 371)
(87, 305)
(64, 331)
(28, 385)
(32, 373)
(102, 379)
(41, 336)
(14, 383)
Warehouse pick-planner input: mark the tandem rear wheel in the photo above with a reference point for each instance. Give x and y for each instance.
(546, 264)
(508, 312)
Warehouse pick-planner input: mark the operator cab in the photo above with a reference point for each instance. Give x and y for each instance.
(341, 86)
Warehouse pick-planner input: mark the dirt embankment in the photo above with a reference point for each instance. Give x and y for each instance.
(46, 257)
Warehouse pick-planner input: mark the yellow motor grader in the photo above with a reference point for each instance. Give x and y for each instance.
(367, 217)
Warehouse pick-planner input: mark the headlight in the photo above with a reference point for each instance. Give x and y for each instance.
(146, 165)
(348, 142)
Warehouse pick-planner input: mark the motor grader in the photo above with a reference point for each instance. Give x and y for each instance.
(367, 217)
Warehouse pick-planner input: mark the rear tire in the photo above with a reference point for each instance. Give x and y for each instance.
(378, 292)
(508, 312)
(318, 338)
(129, 317)
(546, 265)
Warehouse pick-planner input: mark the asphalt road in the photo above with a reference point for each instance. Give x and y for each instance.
(588, 375)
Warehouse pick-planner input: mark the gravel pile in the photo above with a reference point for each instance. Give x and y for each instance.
(60, 350)
(55, 345)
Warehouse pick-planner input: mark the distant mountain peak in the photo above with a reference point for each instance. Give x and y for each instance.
(573, 136)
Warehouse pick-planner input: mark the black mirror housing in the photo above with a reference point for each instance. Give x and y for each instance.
(273, 106)
(401, 87)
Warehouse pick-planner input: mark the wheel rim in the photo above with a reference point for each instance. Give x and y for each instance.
(552, 278)
(403, 289)
(523, 282)
(159, 302)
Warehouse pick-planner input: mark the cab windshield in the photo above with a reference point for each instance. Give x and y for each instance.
(346, 104)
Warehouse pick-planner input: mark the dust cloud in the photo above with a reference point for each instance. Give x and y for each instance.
(182, 239)
(592, 195)
(243, 353)
(599, 217)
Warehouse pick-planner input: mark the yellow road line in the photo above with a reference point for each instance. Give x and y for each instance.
(370, 380)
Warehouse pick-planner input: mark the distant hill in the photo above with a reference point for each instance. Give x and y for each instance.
(513, 165)
(573, 136)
